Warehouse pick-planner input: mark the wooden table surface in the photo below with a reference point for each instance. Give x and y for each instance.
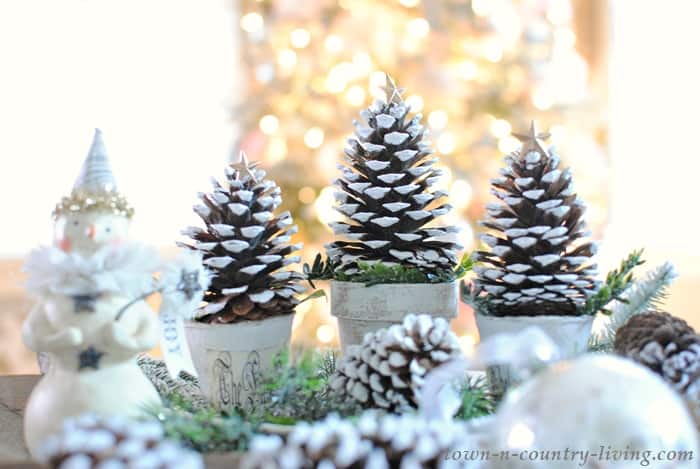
(14, 391)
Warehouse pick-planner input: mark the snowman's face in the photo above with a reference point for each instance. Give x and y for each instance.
(86, 232)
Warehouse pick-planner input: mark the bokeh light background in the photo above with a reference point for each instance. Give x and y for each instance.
(180, 86)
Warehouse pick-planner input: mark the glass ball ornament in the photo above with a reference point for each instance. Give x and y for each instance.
(615, 413)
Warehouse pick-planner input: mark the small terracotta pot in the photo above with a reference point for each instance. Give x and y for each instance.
(230, 358)
(362, 309)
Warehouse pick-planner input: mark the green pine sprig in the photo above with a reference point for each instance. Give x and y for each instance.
(203, 429)
(295, 390)
(380, 273)
(616, 284)
(477, 399)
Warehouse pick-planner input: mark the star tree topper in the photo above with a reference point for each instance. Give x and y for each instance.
(393, 92)
(244, 166)
(532, 141)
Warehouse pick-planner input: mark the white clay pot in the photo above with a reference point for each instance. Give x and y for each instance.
(569, 333)
(229, 358)
(360, 309)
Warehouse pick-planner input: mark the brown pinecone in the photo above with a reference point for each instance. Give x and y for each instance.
(538, 261)
(665, 344)
(95, 442)
(387, 192)
(388, 369)
(246, 247)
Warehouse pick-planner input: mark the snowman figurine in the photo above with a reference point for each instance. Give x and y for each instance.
(90, 318)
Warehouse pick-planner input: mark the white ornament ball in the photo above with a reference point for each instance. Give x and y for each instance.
(86, 232)
(600, 404)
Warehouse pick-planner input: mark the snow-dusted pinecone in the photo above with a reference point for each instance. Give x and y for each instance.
(185, 385)
(665, 344)
(115, 443)
(375, 441)
(388, 369)
(538, 262)
(246, 248)
(385, 191)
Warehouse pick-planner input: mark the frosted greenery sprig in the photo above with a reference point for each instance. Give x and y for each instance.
(644, 295)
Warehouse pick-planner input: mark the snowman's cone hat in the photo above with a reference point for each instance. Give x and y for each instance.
(95, 188)
(96, 174)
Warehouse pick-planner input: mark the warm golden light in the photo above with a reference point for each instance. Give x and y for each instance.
(313, 138)
(507, 145)
(500, 128)
(306, 195)
(542, 99)
(415, 102)
(437, 119)
(468, 70)
(333, 44)
(418, 28)
(276, 150)
(355, 95)
(300, 38)
(287, 59)
(325, 333)
(252, 22)
(409, 3)
(446, 143)
(269, 124)
(463, 192)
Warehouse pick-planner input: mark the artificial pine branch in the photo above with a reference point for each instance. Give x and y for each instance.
(298, 390)
(203, 429)
(380, 273)
(477, 399)
(616, 284)
(644, 295)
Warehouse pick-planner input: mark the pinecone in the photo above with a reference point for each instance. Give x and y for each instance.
(538, 263)
(91, 442)
(384, 191)
(375, 441)
(388, 369)
(665, 344)
(245, 246)
(185, 385)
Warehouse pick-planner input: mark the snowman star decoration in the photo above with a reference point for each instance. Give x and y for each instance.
(81, 285)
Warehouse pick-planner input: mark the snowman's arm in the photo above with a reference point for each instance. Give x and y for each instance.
(145, 337)
(40, 336)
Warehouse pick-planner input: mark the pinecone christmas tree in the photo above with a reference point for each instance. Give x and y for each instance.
(538, 262)
(665, 344)
(375, 441)
(388, 369)
(385, 193)
(94, 442)
(246, 247)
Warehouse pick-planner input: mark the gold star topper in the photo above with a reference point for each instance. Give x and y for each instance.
(532, 141)
(244, 166)
(393, 92)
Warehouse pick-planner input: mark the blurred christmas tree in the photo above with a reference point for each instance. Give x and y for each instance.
(476, 70)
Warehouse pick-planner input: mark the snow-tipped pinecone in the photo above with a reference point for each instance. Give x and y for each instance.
(665, 344)
(246, 248)
(388, 369)
(385, 193)
(538, 262)
(92, 442)
(185, 385)
(375, 441)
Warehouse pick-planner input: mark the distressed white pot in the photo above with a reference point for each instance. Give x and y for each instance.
(230, 358)
(569, 333)
(362, 309)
